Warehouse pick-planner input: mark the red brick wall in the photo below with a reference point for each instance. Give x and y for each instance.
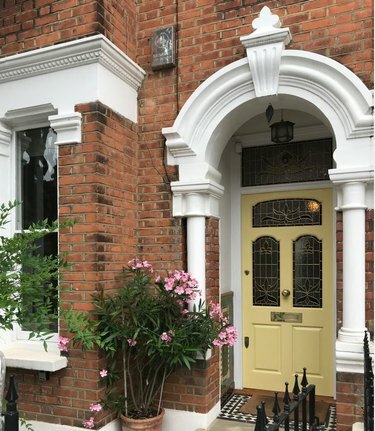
(349, 401)
(31, 24)
(209, 31)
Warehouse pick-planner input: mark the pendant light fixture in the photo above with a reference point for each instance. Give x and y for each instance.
(282, 131)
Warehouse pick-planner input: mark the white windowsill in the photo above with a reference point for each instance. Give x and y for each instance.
(31, 356)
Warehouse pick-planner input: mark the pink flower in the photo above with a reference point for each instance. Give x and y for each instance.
(139, 264)
(62, 343)
(179, 290)
(132, 342)
(95, 407)
(166, 338)
(89, 423)
(103, 373)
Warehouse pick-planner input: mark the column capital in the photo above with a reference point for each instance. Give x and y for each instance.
(196, 198)
(359, 174)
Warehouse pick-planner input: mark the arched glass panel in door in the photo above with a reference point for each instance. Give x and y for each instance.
(266, 271)
(287, 212)
(307, 272)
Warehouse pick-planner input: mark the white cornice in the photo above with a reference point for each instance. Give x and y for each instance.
(35, 114)
(93, 49)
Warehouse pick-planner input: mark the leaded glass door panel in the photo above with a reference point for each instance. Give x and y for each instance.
(287, 260)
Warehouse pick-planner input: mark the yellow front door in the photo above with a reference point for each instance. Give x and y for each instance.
(287, 282)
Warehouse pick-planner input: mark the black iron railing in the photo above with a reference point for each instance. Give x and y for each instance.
(11, 415)
(368, 405)
(298, 413)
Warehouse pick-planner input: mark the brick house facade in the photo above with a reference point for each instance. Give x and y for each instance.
(144, 177)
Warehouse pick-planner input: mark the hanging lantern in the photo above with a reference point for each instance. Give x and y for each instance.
(282, 131)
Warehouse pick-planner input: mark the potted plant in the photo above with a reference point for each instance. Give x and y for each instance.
(147, 330)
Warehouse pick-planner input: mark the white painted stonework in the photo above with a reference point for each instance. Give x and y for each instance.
(82, 71)
(173, 420)
(295, 80)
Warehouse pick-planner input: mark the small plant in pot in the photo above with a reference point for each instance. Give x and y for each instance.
(147, 330)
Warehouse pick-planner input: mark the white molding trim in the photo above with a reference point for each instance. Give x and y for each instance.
(349, 356)
(53, 80)
(340, 176)
(67, 127)
(92, 49)
(32, 356)
(220, 105)
(29, 115)
(196, 198)
(5, 141)
(45, 426)
(182, 420)
(173, 420)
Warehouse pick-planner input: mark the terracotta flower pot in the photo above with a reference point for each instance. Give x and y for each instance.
(150, 424)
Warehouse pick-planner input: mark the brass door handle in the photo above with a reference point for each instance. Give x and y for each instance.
(285, 293)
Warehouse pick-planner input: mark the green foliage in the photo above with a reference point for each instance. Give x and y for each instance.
(26, 424)
(28, 280)
(146, 331)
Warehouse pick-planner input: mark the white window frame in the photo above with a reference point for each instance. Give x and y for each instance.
(21, 334)
(20, 351)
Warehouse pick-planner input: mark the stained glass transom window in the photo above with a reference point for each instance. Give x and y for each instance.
(287, 212)
(266, 271)
(287, 163)
(307, 272)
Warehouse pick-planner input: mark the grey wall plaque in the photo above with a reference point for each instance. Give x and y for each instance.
(163, 48)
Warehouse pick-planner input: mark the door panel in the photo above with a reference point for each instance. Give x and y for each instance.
(287, 259)
(310, 355)
(267, 354)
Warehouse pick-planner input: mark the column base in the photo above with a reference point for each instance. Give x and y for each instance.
(351, 336)
(349, 355)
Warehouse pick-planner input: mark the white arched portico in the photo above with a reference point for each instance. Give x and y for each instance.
(243, 89)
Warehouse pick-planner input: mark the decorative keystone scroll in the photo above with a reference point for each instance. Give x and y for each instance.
(263, 48)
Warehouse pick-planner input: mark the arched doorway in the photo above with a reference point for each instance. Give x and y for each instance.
(293, 80)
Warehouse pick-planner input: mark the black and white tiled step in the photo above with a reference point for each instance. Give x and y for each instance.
(231, 411)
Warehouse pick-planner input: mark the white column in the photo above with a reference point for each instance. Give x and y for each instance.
(197, 200)
(352, 194)
(353, 207)
(196, 250)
